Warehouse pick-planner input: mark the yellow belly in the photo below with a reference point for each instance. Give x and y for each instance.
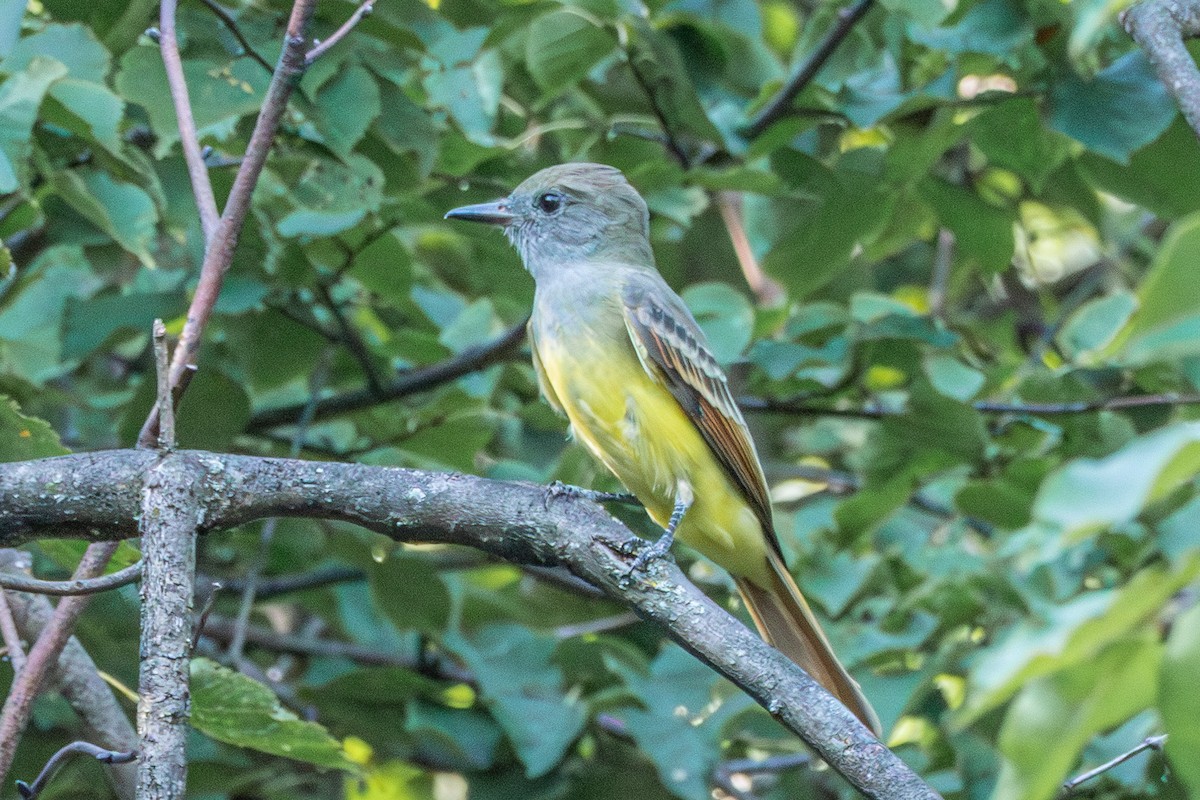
(638, 430)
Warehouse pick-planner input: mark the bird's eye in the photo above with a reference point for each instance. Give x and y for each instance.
(550, 202)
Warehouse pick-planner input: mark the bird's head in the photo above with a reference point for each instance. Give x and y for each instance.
(568, 215)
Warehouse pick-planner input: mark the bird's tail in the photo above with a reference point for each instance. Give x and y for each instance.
(784, 619)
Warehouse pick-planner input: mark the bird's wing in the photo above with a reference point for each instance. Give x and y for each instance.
(539, 370)
(673, 351)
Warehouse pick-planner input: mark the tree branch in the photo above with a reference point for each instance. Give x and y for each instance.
(12, 639)
(206, 202)
(114, 580)
(1159, 27)
(219, 254)
(780, 104)
(322, 48)
(29, 791)
(1149, 743)
(99, 497)
(413, 382)
(231, 25)
(42, 656)
(76, 678)
(766, 289)
(169, 513)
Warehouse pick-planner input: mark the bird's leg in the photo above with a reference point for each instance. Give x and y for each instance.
(659, 548)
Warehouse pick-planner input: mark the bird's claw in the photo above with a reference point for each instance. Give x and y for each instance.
(651, 552)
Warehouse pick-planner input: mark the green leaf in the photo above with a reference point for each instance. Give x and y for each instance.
(87, 324)
(237, 710)
(20, 97)
(1121, 110)
(1091, 494)
(1013, 136)
(524, 691)
(74, 46)
(410, 593)
(333, 198)
(1053, 717)
(563, 46)
(1178, 700)
(346, 107)
(1095, 325)
(996, 27)
(821, 233)
(981, 229)
(122, 210)
(1070, 633)
(466, 736)
(681, 718)
(214, 411)
(25, 438)
(465, 81)
(89, 110)
(725, 315)
(1167, 320)
(1159, 176)
(221, 93)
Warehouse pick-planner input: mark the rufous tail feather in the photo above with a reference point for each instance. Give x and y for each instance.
(784, 619)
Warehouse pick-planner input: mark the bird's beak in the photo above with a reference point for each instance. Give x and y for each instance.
(493, 213)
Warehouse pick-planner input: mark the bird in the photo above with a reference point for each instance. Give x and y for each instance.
(617, 352)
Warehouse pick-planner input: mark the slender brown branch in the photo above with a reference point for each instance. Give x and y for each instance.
(472, 359)
(206, 201)
(322, 48)
(1159, 27)
(219, 254)
(351, 339)
(780, 104)
(114, 580)
(231, 25)
(287, 584)
(12, 639)
(514, 521)
(29, 791)
(43, 655)
(76, 678)
(766, 289)
(1149, 743)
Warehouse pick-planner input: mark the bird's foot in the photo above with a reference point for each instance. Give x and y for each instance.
(651, 552)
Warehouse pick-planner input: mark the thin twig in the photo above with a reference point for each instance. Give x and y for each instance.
(286, 584)
(593, 626)
(231, 25)
(316, 381)
(672, 143)
(470, 360)
(1149, 743)
(322, 48)
(165, 402)
(940, 278)
(219, 254)
(351, 339)
(43, 655)
(725, 771)
(206, 201)
(29, 791)
(222, 629)
(114, 580)
(766, 289)
(779, 105)
(12, 639)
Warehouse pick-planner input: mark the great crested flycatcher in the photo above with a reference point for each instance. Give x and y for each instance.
(617, 351)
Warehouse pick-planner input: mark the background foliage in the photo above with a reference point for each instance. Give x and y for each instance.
(983, 219)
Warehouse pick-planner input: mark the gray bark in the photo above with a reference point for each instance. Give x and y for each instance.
(170, 511)
(98, 496)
